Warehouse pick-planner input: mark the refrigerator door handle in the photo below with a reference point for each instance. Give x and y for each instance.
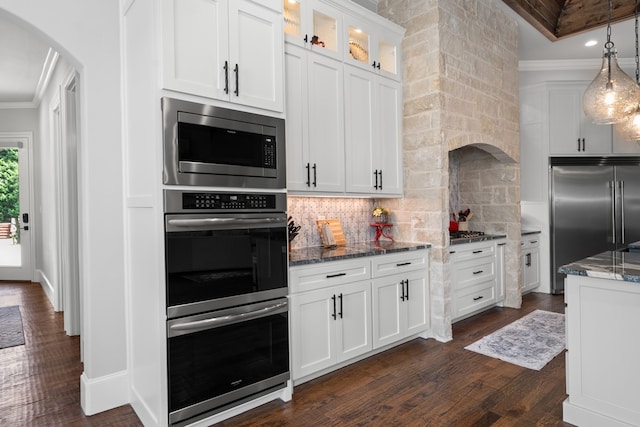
(613, 211)
(622, 231)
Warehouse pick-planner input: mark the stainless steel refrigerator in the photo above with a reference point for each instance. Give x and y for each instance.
(595, 207)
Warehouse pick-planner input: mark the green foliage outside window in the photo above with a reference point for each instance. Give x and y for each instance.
(9, 189)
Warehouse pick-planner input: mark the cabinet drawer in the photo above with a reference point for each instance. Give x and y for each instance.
(533, 242)
(385, 265)
(469, 300)
(317, 276)
(469, 273)
(474, 250)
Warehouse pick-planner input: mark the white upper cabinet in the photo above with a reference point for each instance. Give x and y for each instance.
(314, 25)
(372, 47)
(226, 50)
(373, 113)
(621, 146)
(570, 130)
(315, 122)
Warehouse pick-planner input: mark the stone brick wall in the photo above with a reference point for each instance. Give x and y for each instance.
(460, 89)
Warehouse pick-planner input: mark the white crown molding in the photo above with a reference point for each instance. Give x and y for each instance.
(569, 64)
(47, 70)
(48, 67)
(17, 105)
(369, 4)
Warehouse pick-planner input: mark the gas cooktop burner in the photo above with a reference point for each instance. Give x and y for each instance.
(465, 234)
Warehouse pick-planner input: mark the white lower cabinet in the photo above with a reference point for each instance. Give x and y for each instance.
(343, 310)
(530, 262)
(476, 277)
(329, 326)
(400, 307)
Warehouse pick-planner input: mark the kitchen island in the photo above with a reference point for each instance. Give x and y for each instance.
(602, 294)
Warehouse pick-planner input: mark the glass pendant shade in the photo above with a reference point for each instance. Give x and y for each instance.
(612, 95)
(629, 127)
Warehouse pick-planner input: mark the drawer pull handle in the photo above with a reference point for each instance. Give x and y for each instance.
(477, 252)
(533, 241)
(329, 276)
(478, 272)
(478, 298)
(400, 264)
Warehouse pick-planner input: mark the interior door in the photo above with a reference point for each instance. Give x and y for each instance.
(15, 200)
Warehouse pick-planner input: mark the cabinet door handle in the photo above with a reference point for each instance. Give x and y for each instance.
(315, 175)
(333, 297)
(402, 286)
(584, 147)
(226, 77)
(308, 167)
(380, 179)
(477, 252)
(340, 312)
(306, 38)
(578, 145)
(528, 258)
(376, 175)
(406, 281)
(478, 298)
(330, 276)
(401, 264)
(237, 71)
(378, 65)
(374, 64)
(478, 272)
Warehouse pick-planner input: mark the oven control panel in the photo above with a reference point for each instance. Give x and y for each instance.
(228, 201)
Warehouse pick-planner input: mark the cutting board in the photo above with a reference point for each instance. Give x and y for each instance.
(336, 229)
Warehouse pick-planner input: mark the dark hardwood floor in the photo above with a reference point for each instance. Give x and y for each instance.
(40, 380)
(420, 383)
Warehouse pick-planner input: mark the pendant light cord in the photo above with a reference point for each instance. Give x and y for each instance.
(609, 45)
(637, 60)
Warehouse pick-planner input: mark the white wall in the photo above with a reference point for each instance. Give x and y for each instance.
(46, 190)
(87, 33)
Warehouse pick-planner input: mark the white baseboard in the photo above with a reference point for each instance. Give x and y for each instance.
(104, 393)
(47, 287)
(142, 410)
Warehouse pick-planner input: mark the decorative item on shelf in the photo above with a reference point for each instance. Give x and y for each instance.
(381, 215)
(629, 127)
(613, 94)
(357, 51)
(316, 40)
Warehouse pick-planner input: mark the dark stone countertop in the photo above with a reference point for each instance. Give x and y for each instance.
(461, 240)
(614, 265)
(319, 254)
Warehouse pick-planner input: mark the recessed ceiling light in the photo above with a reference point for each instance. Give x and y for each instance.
(591, 43)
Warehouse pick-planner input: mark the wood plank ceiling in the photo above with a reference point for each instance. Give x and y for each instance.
(558, 19)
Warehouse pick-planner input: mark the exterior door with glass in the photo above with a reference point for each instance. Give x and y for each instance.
(15, 200)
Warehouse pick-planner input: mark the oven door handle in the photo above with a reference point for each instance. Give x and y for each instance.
(203, 222)
(215, 322)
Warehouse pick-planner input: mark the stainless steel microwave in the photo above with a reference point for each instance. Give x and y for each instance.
(213, 146)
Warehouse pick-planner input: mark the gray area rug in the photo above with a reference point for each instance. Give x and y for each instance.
(531, 341)
(11, 333)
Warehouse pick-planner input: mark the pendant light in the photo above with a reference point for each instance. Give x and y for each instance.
(612, 95)
(629, 127)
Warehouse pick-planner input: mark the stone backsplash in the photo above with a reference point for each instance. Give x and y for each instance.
(354, 216)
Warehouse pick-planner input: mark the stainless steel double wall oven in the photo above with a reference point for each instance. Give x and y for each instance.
(226, 283)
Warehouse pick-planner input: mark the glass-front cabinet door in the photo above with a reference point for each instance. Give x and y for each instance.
(313, 25)
(372, 47)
